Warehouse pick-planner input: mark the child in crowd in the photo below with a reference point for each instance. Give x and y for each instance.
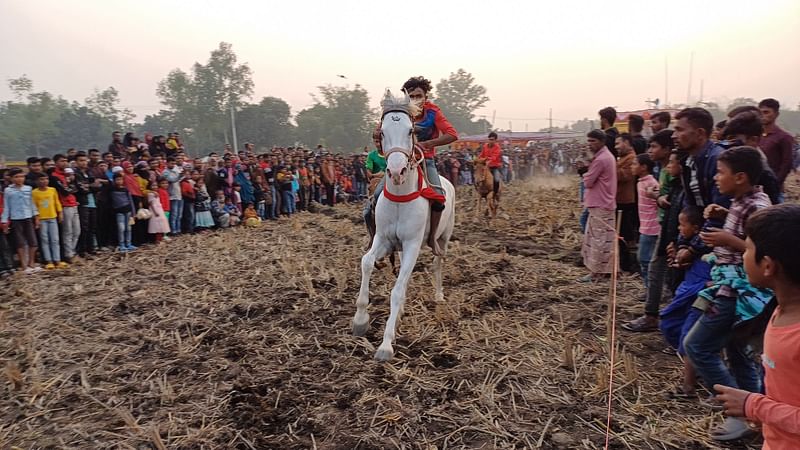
(21, 218)
(124, 209)
(158, 224)
(251, 218)
(233, 212)
(221, 218)
(285, 180)
(237, 195)
(50, 215)
(259, 197)
(202, 207)
(649, 228)
(6, 253)
(680, 315)
(166, 201)
(663, 251)
(770, 260)
(731, 301)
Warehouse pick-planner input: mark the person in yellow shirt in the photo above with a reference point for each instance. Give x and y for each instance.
(50, 214)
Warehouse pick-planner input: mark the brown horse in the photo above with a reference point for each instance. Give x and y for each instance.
(483, 186)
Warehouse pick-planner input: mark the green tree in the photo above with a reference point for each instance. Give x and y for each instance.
(79, 127)
(265, 123)
(199, 102)
(340, 118)
(39, 123)
(105, 103)
(21, 87)
(459, 97)
(156, 124)
(25, 127)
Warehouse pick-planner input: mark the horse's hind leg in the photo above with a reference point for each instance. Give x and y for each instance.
(409, 257)
(361, 319)
(438, 261)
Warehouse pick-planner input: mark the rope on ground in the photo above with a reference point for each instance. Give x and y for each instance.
(612, 325)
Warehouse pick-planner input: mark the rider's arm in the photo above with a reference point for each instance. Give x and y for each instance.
(447, 133)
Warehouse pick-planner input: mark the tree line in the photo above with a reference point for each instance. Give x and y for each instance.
(197, 103)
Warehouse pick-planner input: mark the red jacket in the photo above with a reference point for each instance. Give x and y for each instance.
(187, 189)
(67, 200)
(432, 124)
(163, 197)
(493, 154)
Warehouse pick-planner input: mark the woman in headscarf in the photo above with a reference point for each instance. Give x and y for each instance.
(243, 179)
(133, 182)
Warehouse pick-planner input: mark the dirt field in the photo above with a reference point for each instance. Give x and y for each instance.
(245, 344)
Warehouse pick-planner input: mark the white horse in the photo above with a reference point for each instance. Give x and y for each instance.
(403, 223)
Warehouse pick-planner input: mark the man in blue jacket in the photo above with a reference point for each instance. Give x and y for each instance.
(691, 135)
(692, 138)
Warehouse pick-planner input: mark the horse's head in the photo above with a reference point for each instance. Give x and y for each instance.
(397, 136)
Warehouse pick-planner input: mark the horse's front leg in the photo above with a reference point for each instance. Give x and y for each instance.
(379, 249)
(408, 260)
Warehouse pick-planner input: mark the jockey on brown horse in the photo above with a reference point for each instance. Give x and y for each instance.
(492, 154)
(431, 129)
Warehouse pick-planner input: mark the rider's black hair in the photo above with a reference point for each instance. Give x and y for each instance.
(418, 82)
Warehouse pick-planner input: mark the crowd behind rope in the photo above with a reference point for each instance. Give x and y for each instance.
(718, 262)
(60, 209)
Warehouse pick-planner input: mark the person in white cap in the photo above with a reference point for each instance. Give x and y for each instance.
(62, 178)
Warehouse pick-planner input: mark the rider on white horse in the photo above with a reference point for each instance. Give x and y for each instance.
(432, 129)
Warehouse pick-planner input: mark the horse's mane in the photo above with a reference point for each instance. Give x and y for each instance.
(404, 103)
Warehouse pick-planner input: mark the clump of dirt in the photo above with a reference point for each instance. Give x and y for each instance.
(241, 339)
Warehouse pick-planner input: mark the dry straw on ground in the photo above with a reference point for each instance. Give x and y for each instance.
(241, 340)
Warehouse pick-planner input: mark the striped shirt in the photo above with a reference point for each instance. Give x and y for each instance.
(741, 209)
(648, 206)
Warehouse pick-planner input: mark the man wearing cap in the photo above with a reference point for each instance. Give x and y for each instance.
(172, 173)
(62, 178)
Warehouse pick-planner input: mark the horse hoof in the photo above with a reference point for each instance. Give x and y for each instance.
(384, 354)
(439, 298)
(360, 329)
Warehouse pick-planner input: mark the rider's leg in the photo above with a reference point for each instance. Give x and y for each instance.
(436, 207)
(369, 212)
(496, 176)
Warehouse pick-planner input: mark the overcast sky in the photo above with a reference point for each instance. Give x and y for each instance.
(571, 56)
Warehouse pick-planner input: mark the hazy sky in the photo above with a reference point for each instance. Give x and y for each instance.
(573, 56)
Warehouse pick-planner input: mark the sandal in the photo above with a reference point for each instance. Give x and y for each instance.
(732, 429)
(641, 325)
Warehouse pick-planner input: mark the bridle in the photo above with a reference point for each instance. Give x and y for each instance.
(415, 154)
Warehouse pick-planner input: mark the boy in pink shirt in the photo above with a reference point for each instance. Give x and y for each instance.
(649, 228)
(770, 260)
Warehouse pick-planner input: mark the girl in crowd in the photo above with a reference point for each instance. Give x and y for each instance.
(158, 224)
(202, 207)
